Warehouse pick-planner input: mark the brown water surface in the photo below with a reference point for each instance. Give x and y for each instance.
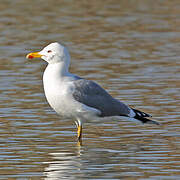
(131, 48)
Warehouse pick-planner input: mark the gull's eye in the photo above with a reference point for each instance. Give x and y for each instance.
(49, 51)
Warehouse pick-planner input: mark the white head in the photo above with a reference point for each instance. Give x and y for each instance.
(53, 53)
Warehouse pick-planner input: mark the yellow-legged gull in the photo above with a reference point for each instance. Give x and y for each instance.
(74, 97)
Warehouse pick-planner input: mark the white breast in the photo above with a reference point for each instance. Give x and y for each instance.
(58, 93)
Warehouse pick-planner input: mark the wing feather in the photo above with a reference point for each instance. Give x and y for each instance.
(93, 95)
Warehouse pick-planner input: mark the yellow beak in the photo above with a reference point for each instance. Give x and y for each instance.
(33, 55)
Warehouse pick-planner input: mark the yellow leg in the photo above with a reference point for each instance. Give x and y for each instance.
(79, 130)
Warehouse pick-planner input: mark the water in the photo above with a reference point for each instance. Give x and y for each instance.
(131, 48)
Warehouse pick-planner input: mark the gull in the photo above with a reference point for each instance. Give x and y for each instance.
(77, 98)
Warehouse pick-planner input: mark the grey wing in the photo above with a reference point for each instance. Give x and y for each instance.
(92, 95)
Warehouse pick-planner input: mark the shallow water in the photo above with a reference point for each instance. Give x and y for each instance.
(129, 47)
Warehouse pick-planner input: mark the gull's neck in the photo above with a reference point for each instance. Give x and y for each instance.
(57, 70)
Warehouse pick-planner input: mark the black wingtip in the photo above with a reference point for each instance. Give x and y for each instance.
(140, 113)
(141, 116)
(147, 121)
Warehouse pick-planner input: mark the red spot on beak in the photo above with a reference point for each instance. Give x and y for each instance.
(30, 57)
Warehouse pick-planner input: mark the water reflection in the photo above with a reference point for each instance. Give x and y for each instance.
(64, 165)
(131, 156)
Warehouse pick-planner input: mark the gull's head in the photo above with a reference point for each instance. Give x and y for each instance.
(53, 53)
